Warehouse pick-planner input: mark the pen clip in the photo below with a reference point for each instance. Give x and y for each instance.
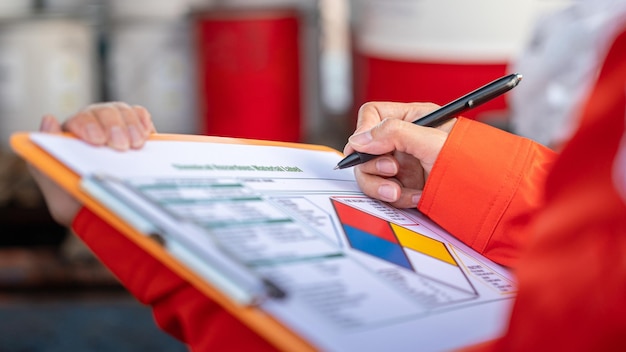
(492, 90)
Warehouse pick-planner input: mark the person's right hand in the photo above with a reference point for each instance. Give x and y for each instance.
(116, 125)
(407, 151)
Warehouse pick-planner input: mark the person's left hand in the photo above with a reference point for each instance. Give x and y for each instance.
(116, 125)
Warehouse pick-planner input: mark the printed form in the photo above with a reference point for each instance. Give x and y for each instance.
(359, 274)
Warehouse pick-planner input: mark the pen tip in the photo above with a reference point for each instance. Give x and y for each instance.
(336, 167)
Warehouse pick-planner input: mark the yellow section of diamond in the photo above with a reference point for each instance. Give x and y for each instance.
(420, 243)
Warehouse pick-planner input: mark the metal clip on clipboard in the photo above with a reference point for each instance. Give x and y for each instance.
(186, 241)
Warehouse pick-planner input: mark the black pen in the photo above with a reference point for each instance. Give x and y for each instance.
(451, 110)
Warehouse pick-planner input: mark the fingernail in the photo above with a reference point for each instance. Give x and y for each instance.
(387, 193)
(361, 138)
(415, 199)
(94, 133)
(142, 129)
(118, 139)
(136, 139)
(386, 166)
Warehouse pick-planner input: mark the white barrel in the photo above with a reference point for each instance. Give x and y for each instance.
(150, 64)
(437, 50)
(16, 8)
(46, 66)
(446, 30)
(149, 9)
(86, 8)
(65, 5)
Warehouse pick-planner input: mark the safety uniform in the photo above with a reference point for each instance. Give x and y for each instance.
(558, 220)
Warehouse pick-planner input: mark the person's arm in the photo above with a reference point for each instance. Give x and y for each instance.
(116, 125)
(179, 308)
(484, 186)
(571, 279)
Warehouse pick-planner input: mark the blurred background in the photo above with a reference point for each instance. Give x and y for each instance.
(290, 70)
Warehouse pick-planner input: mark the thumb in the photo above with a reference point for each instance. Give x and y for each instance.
(424, 143)
(49, 124)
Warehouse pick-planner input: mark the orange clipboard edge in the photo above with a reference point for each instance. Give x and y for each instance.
(265, 325)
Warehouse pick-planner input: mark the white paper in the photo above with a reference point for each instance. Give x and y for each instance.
(359, 274)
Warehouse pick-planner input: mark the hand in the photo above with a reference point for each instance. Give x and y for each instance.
(116, 125)
(408, 151)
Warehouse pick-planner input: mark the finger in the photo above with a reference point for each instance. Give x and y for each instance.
(410, 172)
(86, 126)
(115, 124)
(384, 166)
(50, 124)
(145, 118)
(134, 127)
(408, 198)
(115, 119)
(372, 113)
(424, 143)
(377, 187)
(401, 193)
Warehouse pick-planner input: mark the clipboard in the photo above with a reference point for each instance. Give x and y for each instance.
(473, 290)
(272, 330)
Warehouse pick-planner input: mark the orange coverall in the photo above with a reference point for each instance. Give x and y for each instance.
(557, 219)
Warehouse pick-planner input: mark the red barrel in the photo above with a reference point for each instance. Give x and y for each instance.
(438, 50)
(384, 79)
(249, 73)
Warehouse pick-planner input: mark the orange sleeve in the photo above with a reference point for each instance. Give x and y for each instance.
(484, 185)
(178, 307)
(572, 276)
